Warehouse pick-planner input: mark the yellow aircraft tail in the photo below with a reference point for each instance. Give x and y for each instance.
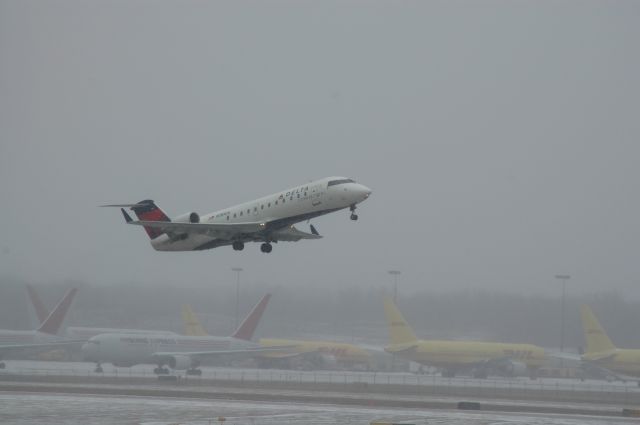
(597, 339)
(192, 326)
(399, 330)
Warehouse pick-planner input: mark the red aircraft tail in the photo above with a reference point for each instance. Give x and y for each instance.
(250, 323)
(52, 323)
(38, 305)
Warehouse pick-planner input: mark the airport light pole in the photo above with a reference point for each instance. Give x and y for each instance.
(563, 278)
(395, 274)
(237, 270)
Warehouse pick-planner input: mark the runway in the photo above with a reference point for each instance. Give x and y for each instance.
(70, 393)
(54, 409)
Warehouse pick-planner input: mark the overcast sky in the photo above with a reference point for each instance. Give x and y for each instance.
(501, 139)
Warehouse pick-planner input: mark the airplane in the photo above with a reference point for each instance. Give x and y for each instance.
(324, 354)
(80, 332)
(179, 352)
(602, 355)
(452, 357)
(45, 337)
(269, 219)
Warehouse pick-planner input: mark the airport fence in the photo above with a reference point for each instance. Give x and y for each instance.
(358, 382)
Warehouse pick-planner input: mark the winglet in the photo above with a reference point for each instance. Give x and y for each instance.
(250, 323)
(127, 217)
(52, 323)
(313, 230)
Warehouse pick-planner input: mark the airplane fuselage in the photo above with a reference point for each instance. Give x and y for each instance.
(122, 349)
(623, 361)
(277, 211)
(463, 354)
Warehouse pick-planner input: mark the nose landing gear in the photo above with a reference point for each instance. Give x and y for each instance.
(238, 245)
(353, 216)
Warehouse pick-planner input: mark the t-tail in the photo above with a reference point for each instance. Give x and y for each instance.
(399, 330)
(146, 210)
(53, 322)
(192, 325)
(594, 334)
(41, 311)
(250, 323)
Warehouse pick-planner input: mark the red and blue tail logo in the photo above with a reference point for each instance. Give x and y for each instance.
(147, 210)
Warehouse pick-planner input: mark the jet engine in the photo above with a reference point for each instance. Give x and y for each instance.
(180, 362)
(513, 368)
(191, 217)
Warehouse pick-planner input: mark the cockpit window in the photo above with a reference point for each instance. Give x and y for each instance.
(341, 181)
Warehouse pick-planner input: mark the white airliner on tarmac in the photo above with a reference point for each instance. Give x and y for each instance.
(42, 339)
(268, 220)
(178, 352)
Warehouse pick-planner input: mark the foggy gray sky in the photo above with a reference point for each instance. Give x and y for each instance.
(501, 139)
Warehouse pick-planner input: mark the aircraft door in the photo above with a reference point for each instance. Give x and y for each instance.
(316, 196)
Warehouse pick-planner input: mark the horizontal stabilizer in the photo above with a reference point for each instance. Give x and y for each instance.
(137, 204)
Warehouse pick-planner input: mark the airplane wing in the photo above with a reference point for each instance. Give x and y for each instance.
(215, 230)
(215, 353)
(291, 234)
(39, 346)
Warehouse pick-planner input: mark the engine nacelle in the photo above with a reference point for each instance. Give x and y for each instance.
(180, 362)
(513, 368)
(191, 217)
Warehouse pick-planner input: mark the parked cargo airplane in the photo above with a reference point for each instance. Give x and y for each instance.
(178, 352)
(268, 220)
(602, 354)
(43, 338)
(322, 354)
(456, 356)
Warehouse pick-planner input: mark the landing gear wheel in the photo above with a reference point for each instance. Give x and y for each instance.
(161, 371)
(266, 247)
(238, 245)
(196, 372)
(2, 365)
(98, 369)
(353, 216)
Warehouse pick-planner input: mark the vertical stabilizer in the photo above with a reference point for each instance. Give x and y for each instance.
(250, 323)
(192, 326)
(147, 210)
(399, 330)
(597, 339)
(41, 311)
(53, 322)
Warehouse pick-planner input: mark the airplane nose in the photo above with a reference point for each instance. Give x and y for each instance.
(366, 192)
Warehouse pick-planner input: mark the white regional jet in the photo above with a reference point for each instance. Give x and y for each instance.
(268, 220)
(178, 352)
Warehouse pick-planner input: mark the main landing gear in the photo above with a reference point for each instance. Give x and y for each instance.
(266, 247)
(238, 245)
(353, 216)
(161, 370)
